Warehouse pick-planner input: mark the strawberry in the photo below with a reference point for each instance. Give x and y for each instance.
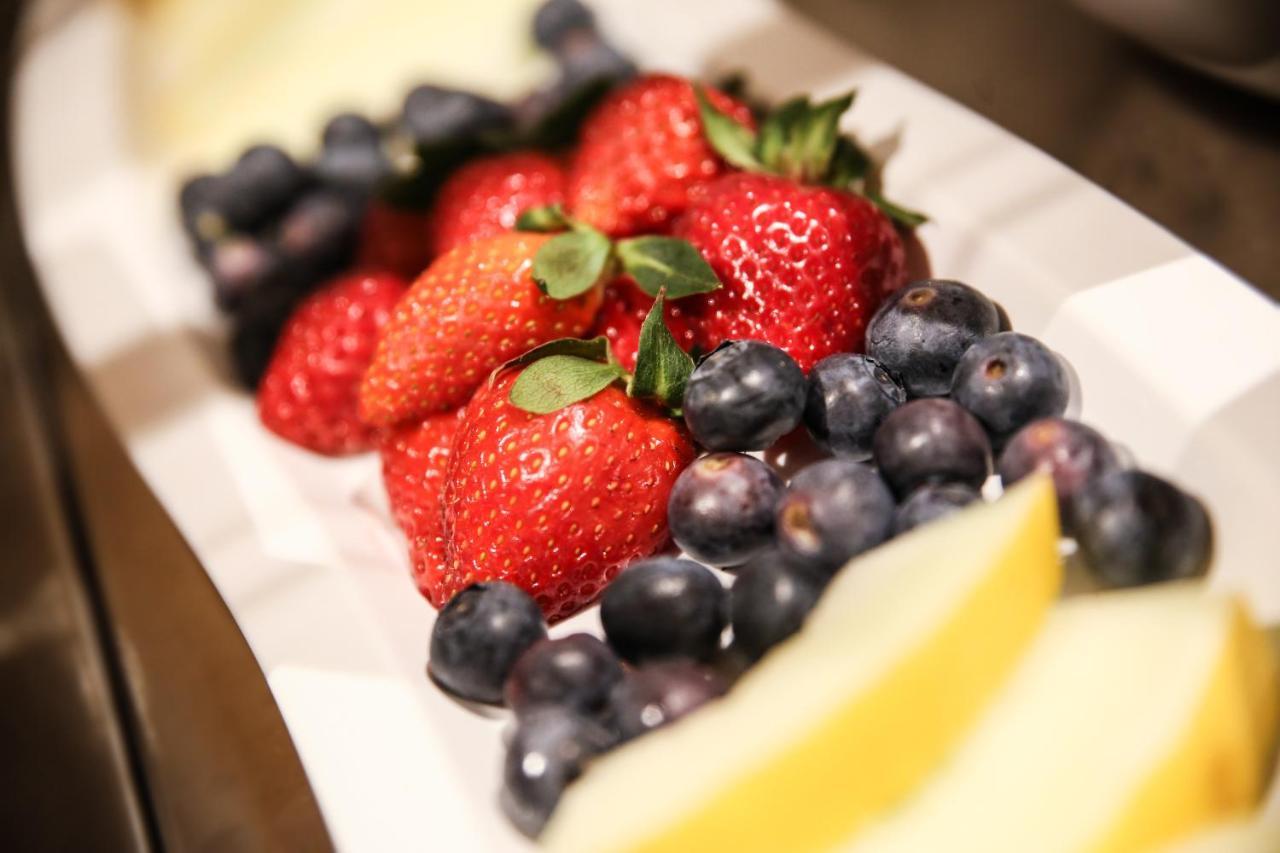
(804, 260)
(559, 477)
(475, 307)
(622, 314)
(639, 154)
(414, 458)
(484, 197)
(308, 394)
(394, 239)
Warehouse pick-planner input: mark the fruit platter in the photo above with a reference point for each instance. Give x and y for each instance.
(715, 441)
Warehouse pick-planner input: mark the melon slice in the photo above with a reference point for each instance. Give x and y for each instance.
(904, 651)
(1136, 717)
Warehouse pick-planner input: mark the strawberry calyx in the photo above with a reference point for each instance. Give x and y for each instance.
(573, 262)
(801, 140)
(567, 371)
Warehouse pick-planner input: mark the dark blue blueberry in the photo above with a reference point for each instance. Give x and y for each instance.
(932, 501)
(261, 184)
(744, 396)
(239, 266)
(833, 511)
(479, 635)
(1072, 453)
(662, 608)
(769, 601)
(849, 395)
(318, 235)
(931, 441)
(586, 58)
(1008, 380)
(549, 749)
(555, 20)
(661, 692)
(576, 671)
(1004, 324)
(433, 115)
(722, 506)
(202, 203)
(1134, 528)
(350, 129)
(921, 332)
(352, 159)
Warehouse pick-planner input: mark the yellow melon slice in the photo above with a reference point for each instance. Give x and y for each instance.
(1136, 717)
(904, 651)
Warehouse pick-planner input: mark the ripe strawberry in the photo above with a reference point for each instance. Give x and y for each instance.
(395, 239)
(414, 458)
(474, 308)
(804, 260)
(803, 267)
(308, 394)
(485, 197)
(559, 477)
(557, 503)
(640, 153)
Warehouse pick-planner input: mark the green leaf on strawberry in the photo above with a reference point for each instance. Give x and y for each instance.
(556, 381)
(665, 263)
(572, 263)
(549, 218)
(662, 368)
(733, 141)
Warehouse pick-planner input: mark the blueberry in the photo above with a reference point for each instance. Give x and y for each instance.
(479, 635)
(932, 501)
(240, 265)
(664, 607)
(769, 601)
(744, 396)
(257, 322)
(1135, 528)
(849, 395)
(1004, 324)
(585, 58)
(350, 129)
(722, 506)
(576, 671)
(932, 440)
(549, 749)
(434, 115)
(1008, 380)
(263, 182)
(318, 235)
(1072, 453)
(202, 204)
(556, 19)
(662, 692)
(833, 511)
(921, 332)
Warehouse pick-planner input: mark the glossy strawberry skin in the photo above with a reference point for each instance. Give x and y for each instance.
(486, 196)
(415, 456)
(557, 503)
(802, 267)
(473, 309)
(308, 394)
(394, 239)
(641, 152)
(622, 314)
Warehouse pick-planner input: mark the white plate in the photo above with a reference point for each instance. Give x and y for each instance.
(1179, 361)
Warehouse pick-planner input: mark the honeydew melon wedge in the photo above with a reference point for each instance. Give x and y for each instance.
(847, 717)
(1136, 717)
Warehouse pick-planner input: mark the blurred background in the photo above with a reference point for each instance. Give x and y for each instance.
(135, 716)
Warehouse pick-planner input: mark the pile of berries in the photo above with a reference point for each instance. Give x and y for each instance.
(542, 351)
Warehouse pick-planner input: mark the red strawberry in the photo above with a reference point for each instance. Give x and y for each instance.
(803, 267)
(487, 195)
(640, 153)
(474, 308)
(308, 394)
(394, 239)
(414, 458)
(557, 503)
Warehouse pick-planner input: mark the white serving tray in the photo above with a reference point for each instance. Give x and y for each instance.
(1179, 360)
